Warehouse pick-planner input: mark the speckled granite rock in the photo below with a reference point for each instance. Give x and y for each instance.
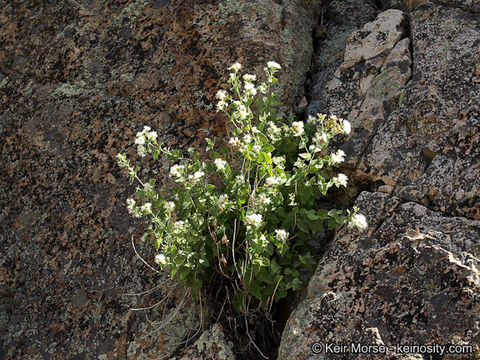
(170, 55)
(77, 81)
(211, 345)
(415, 116)
(413, 277)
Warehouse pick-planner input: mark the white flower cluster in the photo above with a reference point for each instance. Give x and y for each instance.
(273, 131)
(342, 179)
(130, 205)
(256, 149)
(264, 200)
(222, 200)
(359, 221)
(196, 177)
(240, 179)
(220, 164)
(180, 227)
(242, 112)
(320, 138)
(291, 197)
(281, 235)
(297, 128)
(133, 209)
(234, 142)
(147, 187)
(249, 78)
(146, 208)
(222, 96)
(143, 137)
(338, 157)
(160, 259)
(170, 206)
(273, 65)
(249, 89)
(273, 181)
(177, 170)
(235, 67)
(253, 220)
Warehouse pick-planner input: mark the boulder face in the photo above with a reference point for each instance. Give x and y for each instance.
(412, 278)
(78, 79)
(409, 84)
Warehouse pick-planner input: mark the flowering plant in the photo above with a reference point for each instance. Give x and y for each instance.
(248, 213)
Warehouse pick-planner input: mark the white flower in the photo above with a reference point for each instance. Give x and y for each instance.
(291, 197)
(130, 205)
(247, 139)
(141, 150)
(137, 212)
(152, 135)
(235, 67)
(234, 142)
(178, 225)
(254, 220)
(196, 176)
(242, 112)
(160, 259)
(273, 181)
(281, 235)
(147, 207)
(221, 95)
(256, 148)
(347, 127)
(221, 105)
(222, 200)
(220, 164)
(264, 200)
(255, 130)
(338, 157)
(297, 127)
(342, 179)
(122, 158)
(146, 129)
(139, 140)
(169, 206)
(311, 119)
(147, 187)
(262, 88)
(273, 65)
(250, 89)
(359, 221)
(333, 118)
(240, 179)
(176, 170)
(273, 131)
(320, 138)
(249, 78)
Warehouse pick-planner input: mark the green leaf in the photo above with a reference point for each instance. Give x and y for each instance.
(174, 155)
(239, 301)
(261, 261)
(268, 148)
(210, 144)
(267, 158)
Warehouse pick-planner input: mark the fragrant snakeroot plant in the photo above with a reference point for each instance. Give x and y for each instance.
(247, 214)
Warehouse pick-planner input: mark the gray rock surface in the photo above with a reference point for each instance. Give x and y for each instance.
(412, 277)
(78, 79)
(413, 98)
